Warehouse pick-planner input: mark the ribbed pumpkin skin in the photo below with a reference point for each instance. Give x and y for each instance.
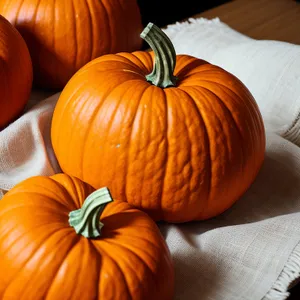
(15, 73)
(182, 153)
(41, 256)
(64, 35)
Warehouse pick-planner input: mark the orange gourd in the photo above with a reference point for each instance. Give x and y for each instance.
(64, 35)
(52, 245)
(181, 147)
(15, 73)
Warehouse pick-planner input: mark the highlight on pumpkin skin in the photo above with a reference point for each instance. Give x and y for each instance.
(43, 256)
(15, 73)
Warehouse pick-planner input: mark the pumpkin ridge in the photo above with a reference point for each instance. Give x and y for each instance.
(114, 208)
(71, 246)
(60, 120)
(127, 266)
(186, 129)
(109, 27)
(186, 69)
(166, 151)
(75, 186)
(111, 117)
(45, 208)
(189, 138)
(104, 253)
(36, 193)
(207, 138)
(147, 56)
(144, 150)
(59, 268)
(133, 237)
(250, 110)
(108, 59)
(254, 110)
(87, 133)
(3, 236)
(93, 250)
(24, 233)
(131, 63)
(145, 70)
(125, 64)
(222, 103)
(141, 260)
(66, 194)
(250, 103)
(200, 71)
(75, 33)
(210, 166)
(117, 72)
(127, 247)
(129, 143)
(233, 122)
(35, 14)
(75, 199)
(98, 273)
(96, 251)
(204, 91)
(69, 197)
(91, 24)
(31, 256)
(100, 12)
(73, 133)
(18, 12)
(122, 213)
(7, 233)
(183, 62)
(227, 149)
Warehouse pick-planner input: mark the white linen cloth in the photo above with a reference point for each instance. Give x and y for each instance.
(252, 251)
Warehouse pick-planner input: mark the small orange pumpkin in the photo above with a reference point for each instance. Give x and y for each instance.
(181, 147)
(64, 35)
(122, 256)
(15, 73)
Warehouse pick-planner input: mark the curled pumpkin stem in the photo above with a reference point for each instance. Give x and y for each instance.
(165, 57)
(86, 220)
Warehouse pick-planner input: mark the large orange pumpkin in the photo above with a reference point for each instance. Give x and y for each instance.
(53, 246)
(64, 35)
(181, 147)
(15, 73)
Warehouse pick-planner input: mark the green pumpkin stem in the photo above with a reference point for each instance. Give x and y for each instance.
(165, 57)
(86, 220)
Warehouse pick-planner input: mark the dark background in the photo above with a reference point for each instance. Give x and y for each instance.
(164, 12)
